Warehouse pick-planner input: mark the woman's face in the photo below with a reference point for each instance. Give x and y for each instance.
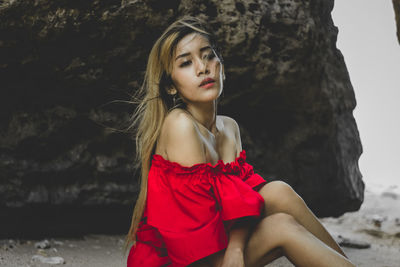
(197, 71)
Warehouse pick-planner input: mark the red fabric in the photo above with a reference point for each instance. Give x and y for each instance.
(190, 209)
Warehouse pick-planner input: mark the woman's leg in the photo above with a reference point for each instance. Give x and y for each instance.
(280, 197)
(281, 233)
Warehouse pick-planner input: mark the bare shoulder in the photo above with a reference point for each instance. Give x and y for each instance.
(230, 124)
(177, 121)
(232, 131)
(179, 139)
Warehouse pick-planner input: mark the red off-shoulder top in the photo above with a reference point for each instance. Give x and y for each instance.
(189, 210)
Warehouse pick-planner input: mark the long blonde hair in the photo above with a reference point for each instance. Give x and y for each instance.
(154, 103)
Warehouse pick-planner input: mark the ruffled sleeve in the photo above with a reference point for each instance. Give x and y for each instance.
(247, 174)
(188, 205)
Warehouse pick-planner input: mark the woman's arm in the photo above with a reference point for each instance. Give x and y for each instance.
(238, 237)
(239, 233)
(233, 255)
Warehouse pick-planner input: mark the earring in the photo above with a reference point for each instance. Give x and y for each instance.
(175, 98)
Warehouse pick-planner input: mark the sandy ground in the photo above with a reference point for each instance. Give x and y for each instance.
(377, 224)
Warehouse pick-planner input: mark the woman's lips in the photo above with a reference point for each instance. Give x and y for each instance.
(207, 83)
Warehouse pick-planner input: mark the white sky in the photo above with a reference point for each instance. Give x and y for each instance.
(367, 39)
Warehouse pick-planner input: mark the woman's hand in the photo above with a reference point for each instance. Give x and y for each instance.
(233, 257)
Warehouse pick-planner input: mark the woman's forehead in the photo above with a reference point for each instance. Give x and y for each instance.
(192, 41)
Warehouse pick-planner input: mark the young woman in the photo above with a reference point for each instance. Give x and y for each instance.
(200, 203)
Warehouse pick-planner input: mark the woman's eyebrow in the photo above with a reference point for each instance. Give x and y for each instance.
(205, 48)
(188, 53)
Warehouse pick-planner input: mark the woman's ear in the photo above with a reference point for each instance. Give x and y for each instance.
(172, 91)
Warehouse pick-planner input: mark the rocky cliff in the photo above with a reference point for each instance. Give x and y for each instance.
(396, 6)
(63, 63)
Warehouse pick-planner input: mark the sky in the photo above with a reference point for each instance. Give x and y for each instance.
(367, 39)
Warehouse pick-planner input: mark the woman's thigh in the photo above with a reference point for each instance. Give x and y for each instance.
(266, 240)
(280, 197)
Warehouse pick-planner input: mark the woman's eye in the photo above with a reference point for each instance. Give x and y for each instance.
(209, 56)
(186, 63)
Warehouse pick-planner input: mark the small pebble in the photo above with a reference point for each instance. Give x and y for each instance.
(43, 244)
(377, 220)
(49, 260)
(351, 243)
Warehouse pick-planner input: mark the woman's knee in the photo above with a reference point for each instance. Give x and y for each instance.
(279, 197)
(278, 228)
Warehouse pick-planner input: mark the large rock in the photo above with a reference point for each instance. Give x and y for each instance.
(396, 6)
(62, 63)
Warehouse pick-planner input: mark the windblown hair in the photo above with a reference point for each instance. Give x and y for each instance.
(155, 103)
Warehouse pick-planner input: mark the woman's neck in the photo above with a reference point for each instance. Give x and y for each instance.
(205, 114)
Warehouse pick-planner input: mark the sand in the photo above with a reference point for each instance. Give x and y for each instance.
(377, 224)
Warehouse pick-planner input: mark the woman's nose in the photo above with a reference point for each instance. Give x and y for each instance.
(202, 66)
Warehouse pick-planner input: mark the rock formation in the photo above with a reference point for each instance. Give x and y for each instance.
(396, 6)
(63, 63)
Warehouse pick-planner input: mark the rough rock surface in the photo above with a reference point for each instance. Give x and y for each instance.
(62, 63)
(396, 6)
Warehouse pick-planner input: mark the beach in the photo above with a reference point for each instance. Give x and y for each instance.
(375, 229)
(369, 237)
